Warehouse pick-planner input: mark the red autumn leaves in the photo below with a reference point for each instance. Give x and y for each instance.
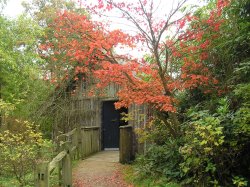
(81, 46)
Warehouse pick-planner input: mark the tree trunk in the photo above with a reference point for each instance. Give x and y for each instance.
(171, 121)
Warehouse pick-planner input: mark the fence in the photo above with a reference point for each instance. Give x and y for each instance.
(76, 144)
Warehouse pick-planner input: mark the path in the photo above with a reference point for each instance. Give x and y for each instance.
(99, 170)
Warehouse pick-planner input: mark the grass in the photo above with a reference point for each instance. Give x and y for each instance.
(132, 177)
(7, 181)
(10, 181)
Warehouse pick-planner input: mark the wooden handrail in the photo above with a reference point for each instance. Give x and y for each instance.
(90, 127)
(71, 132)
(125, 126)
(56, 160)
(74, 144)
(73, 149)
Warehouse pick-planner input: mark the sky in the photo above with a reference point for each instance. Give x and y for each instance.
(13, 8)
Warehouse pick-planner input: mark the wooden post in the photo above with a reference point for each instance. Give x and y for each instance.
(96, 139)
(60, 173)
(67, 167)
(79, 143)
(60, 148)
(83, 144)
(74, 143)
(42, 174)
(99, 139)
(91, 133)
(125, 144)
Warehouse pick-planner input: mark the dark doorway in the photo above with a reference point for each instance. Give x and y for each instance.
(111, 121)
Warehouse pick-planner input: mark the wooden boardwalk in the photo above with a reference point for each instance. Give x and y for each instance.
(100, 170)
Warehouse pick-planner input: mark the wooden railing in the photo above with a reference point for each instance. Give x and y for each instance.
(76, 144)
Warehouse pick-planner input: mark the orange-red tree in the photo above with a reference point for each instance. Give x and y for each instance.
(79, 45)
(175, 62)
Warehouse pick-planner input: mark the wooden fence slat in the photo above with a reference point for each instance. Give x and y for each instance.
(99, 139)
(89, 142)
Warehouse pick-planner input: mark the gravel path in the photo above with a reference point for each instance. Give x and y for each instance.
(99, 170)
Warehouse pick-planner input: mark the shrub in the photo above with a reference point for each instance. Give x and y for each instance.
(216, 146)
(160, 161)
(204, 139)
(212, 150)
(19, 150)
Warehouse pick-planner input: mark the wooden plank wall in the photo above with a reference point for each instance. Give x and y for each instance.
(76, 112)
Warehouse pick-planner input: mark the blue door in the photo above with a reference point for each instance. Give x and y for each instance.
(111, 121)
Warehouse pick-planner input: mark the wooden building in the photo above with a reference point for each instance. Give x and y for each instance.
(72, 107)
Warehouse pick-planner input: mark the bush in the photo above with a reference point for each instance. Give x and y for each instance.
(204, 143)
(212, 150)
(215, 145)
(160, 161)
(19, 150)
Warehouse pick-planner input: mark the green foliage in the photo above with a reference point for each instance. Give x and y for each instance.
(19, 150)
(2, 4)
(22, 88)
(242, 119)
(207, 152)
(155, 131)
(6, 181)
(160, 160)
(6, 108)
(132, 176)
(44, 11)
(215, 142)
(231, 50)
(239, 181)
(203, 145)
